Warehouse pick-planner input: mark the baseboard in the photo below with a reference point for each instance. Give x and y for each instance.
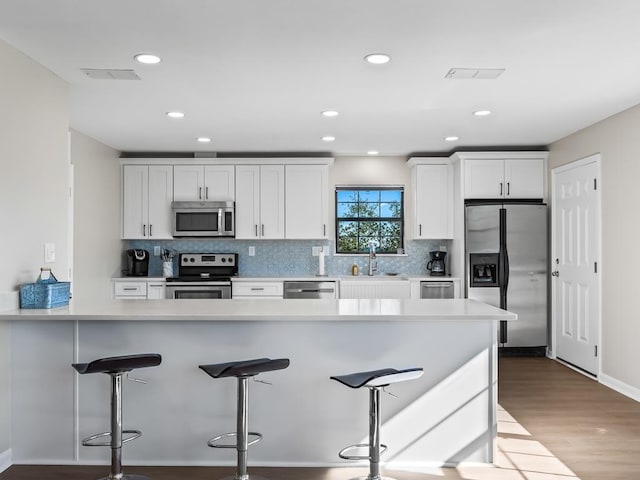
(5, 460)
(620, 387)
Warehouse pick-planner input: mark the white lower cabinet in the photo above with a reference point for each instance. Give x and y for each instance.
(375, 289)
(130, 289)
(257, 290)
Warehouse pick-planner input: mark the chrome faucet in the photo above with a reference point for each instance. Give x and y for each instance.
(373, 262)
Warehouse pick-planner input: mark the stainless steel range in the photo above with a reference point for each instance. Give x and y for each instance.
(203, 275)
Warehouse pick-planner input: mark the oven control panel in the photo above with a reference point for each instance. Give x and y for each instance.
(208, 259)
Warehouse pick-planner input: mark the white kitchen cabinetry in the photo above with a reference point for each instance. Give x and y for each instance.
(433, 199)
(509, 178)
(130, 289)
(147, 192)
(260, 206)
(373, 288)
(307, 212)
(204, 182)
(259, 290)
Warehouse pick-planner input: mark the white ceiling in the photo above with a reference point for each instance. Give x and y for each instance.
(255, 74)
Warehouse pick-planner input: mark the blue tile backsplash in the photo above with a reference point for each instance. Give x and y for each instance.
(292, 257)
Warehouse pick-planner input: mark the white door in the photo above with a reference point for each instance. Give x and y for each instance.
(524, 178)
(272, 201)
(576, 251)
(484, 178)
(306, 201)
(247, 201)
(160, 197)
(219, 183)
(135, 200)
(188, 183)
(433, 186)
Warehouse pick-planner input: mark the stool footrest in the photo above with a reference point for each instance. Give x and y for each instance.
(212, 442)
(342, 453)
(89, 441)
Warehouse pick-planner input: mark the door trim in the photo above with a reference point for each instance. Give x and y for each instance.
(597, 159)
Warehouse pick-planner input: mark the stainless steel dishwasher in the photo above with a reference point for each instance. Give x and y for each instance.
(310, 289)
(436, 290)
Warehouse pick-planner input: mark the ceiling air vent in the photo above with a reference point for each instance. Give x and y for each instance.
(474, 73)
(110, 74)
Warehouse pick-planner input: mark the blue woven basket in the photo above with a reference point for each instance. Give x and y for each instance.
(44, 293)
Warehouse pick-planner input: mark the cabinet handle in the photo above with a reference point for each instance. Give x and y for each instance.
(256, 289)
(256, 229)
(144, 229)
(324, 229)
(263, 229)
(420, 230)
(500, 188)
(199, 193)
(206, 193)
(508, 188)
(130, 289)
(150, 230)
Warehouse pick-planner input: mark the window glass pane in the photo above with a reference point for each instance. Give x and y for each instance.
(368, 210)
(347, 210)
(347, 196)
(363, 244)
(390, 210)
(369, 229)
(369, 195)
(390, 196)
(347, 228)
(389, 244)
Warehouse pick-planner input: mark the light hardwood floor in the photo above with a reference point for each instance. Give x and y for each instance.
(554, 424)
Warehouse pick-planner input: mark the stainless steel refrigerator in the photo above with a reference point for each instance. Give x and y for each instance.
(506, 266)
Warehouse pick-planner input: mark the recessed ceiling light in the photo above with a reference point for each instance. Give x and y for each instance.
(147, 58)
(377, 58)
(328, 138)
(203, 139)
(373, 152)
(482, 113)
(175, 114)
(330, 113)
(452, 138)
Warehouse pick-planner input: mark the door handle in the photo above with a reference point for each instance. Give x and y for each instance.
(199, 193)
(508, 188)
(150, 230)
(420, 230)
(144, 229)
(555, 273)
(263, 229)
(206, 193)
(256, 230)
(500, 188)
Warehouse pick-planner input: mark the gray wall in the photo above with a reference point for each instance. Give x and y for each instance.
(96, 217)
(617, 140)
(34, 186)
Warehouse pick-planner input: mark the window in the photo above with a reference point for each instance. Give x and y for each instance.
(365, 215)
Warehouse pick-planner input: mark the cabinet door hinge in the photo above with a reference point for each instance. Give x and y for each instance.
(595, 350)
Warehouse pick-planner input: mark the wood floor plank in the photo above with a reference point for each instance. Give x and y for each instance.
(556, 425)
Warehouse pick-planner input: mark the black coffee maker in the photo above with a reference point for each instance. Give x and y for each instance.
(436, 264)
(137, 263)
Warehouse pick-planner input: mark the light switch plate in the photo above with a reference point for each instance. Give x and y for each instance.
(315, 251)
(252, 251)
(49, 252)
(156, 250)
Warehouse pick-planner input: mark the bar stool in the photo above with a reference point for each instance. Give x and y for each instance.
(115, 367)
(242, 370)
(375, 381)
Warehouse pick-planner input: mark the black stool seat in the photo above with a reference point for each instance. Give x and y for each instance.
(378, 378)
(245, 368)
(124, 363)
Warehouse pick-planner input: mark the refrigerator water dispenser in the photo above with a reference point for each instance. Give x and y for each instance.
(483, 271)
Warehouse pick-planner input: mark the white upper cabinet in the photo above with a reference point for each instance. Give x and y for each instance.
(432, 199)
(204, 182)
(147, 192)
(260, 194)
(306, 201)
(509, 178)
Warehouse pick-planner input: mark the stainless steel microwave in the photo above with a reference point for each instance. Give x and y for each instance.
(203, 219)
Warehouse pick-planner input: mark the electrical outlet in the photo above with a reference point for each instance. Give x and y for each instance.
(156, 250)
(443, 248)
(252, 251)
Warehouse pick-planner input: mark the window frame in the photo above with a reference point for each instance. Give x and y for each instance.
(379, 188)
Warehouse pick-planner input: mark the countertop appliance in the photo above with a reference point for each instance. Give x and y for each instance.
(442, 289)
(436, 265)
(507, 265)
(310, 289)
(203, 219)
(203, 275)
(137, 263)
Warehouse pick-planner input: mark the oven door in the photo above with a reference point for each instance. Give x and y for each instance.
(195, 290)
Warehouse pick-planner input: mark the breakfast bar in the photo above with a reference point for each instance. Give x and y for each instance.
(446, 417)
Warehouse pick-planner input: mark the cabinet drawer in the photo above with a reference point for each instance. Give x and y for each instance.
(131, 289)
(257, 289)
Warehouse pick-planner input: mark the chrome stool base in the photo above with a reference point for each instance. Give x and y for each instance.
(245, 477)
(126, 477)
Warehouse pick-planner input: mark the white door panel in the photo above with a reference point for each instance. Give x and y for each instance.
(576, 250)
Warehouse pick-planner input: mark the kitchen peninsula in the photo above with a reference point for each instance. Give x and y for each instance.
(445, 418)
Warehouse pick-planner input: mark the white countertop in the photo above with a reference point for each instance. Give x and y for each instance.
(342, 278)
(274, 310)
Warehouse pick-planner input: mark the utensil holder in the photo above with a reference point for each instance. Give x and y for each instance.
(167, 269)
